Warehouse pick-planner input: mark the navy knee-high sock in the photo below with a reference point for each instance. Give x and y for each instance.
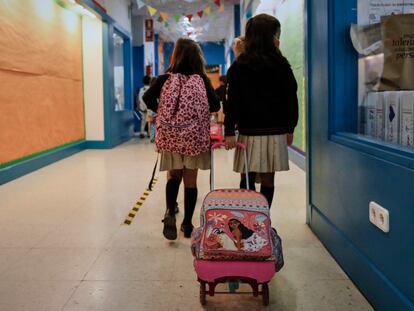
(171, 193)
(268, 192)
(252, 185)
(190, 200)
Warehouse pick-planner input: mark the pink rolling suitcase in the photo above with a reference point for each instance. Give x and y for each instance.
(235, 241)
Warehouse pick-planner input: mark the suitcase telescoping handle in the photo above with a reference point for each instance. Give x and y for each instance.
(219, 145)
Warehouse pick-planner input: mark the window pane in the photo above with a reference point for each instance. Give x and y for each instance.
(119, 80)
(384, 38)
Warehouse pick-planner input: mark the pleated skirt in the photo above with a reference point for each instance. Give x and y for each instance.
(174, 161)
(265, 154)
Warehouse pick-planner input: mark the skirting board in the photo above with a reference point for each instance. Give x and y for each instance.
(373, 284)
(17, 170)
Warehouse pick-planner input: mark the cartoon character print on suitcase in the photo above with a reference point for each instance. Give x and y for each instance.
(236, 226)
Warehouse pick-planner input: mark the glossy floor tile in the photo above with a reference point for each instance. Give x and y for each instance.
(63, 244)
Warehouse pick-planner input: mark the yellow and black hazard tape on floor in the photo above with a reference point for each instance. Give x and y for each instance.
(137, 206)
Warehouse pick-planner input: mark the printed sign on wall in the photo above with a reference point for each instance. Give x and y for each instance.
(149, 30)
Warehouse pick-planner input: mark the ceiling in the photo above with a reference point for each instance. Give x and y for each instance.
(214, 27)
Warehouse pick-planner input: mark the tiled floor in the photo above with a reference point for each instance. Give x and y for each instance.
(63, 245)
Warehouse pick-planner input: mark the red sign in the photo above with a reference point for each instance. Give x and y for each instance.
(149, 30)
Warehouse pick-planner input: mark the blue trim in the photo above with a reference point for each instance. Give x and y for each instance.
(308, 110)
(128, 74)
(156, 56)
(15, 171)
(389, 152)
(358, 266)
(343, 68)
(297, 158)
(237, 23)
(107, 79)
(118, 124)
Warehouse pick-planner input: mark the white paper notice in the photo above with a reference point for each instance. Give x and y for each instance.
(378, 8)
(370, 11)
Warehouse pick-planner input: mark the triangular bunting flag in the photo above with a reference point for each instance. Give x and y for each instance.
(218, 2)
(140, 4)
(160, 19)
(166, 25)
(221, 9)
(151, 10)
(177, 18)
(189, 33)
(190, 17)
(200, 13)
(207, 10)
(164, 16)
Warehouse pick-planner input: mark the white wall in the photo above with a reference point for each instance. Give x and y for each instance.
(137, 30)
(93, 78)
(119, 10)
(149, 57)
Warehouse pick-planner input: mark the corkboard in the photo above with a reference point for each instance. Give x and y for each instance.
(41, 96)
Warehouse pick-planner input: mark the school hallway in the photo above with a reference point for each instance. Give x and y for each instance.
(63, 244)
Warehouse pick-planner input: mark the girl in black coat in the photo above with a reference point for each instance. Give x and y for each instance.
(262, 104)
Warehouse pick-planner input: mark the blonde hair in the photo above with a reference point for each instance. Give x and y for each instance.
(238, 46)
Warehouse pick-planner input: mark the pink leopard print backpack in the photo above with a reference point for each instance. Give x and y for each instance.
(183, 121)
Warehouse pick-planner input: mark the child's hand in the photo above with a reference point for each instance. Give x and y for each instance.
(230, 142)
(289, 139)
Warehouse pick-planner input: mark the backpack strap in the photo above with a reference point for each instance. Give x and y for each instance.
(153, 173)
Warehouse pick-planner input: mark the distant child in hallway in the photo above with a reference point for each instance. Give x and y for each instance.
(183, 99)
(142, 107)
(151, 117)
(262, 103)
(238, 46)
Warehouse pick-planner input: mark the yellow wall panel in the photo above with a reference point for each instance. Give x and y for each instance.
(41, 93)
(38, 113)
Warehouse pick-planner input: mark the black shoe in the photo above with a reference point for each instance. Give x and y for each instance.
(176, 210)
(170, 229)
(187, 229)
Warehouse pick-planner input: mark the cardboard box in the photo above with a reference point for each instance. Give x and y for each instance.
(407, 119)
(379, 117)
(392, 116)
(370, 114)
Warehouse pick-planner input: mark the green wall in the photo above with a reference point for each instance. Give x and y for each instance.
(292, 40)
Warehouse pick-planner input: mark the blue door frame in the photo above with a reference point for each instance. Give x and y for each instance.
(346, 171)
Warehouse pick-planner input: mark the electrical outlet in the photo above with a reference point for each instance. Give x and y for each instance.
(379, 216)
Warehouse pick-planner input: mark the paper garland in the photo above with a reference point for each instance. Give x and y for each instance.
(151, 10)
(164, 16)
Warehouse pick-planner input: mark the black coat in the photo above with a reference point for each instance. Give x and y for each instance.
(261, 98)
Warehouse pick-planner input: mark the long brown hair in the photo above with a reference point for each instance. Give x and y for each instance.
(259, 41)
(187, 58)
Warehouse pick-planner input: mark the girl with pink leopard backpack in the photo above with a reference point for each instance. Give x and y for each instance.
(183, 100)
